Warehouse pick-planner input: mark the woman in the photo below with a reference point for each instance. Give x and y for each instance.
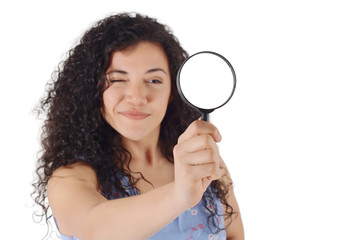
(123, 157)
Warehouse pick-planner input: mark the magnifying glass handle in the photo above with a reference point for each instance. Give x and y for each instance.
(205, 116)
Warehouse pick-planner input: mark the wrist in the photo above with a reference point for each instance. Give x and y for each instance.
(176, 199)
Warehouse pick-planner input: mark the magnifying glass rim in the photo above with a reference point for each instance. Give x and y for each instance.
(208, 110)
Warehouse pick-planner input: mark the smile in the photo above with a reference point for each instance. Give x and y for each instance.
(134, 115)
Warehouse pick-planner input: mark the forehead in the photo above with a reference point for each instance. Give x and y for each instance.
(142, 56)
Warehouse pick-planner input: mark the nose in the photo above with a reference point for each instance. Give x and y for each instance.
(136, 95)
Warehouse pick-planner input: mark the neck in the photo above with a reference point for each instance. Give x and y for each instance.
(145, 152)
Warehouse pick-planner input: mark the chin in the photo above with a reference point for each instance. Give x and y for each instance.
(135, 134)
(131, 135)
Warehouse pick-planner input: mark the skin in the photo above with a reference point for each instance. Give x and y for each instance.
(134, 105)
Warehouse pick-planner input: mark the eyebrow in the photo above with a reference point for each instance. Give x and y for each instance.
(148, 71)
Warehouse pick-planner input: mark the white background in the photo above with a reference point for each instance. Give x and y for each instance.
(291, 133)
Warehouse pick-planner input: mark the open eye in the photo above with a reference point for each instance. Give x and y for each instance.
(156, 81)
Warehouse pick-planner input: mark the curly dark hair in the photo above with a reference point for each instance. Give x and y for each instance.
(74, 129)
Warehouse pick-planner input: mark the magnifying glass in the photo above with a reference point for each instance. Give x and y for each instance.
(206, 81)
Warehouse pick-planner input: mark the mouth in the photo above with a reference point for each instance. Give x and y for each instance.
(134, 115)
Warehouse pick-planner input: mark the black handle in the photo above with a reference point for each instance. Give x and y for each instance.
(205, 116)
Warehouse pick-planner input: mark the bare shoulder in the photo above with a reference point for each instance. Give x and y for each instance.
(72, 192)
(74, 173)
(70, 180)
(77, 170)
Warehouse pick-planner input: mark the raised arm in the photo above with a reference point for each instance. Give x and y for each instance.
(81, 210)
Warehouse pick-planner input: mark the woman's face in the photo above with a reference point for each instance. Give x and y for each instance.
(136, 100)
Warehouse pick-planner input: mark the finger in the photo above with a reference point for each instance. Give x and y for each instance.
(198, 143)
(199, 127)
(210, 170)
(201, 157)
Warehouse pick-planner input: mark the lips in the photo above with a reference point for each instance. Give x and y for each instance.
(134, 115)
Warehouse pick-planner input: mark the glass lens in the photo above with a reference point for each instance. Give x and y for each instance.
(206, 80)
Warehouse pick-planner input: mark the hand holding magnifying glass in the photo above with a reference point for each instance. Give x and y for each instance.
(206, 81)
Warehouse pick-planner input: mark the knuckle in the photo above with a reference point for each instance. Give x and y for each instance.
(180, 139)
(197, 124)
(208, 139)
(210, 154)
(176, 149)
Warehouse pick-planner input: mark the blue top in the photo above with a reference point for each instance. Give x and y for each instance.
(192, 224)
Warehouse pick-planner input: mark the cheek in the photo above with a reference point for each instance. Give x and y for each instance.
(164, 97)
(165, 103)
(106, 102)
(109, 101)
(111, 96)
